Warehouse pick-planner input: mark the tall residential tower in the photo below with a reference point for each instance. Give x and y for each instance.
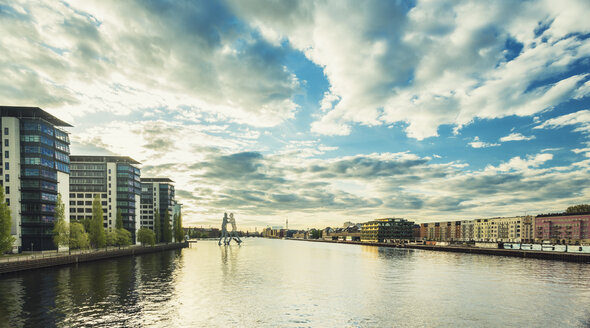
(116, 179)
(35, 168)
(157, 194)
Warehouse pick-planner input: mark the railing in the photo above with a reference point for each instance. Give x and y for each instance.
(27, 256)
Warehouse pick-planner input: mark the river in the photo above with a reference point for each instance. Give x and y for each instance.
(282, 283)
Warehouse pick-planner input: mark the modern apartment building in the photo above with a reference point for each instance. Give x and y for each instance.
(467, 230)
(157, 194)
(388, 229)
(562, 228)
(116, 179)
(35, 168)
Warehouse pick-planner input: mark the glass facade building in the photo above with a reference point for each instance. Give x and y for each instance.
(36, 166)
(116, 179)
(157, 194)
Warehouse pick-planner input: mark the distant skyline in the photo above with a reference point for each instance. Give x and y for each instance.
(319, 112)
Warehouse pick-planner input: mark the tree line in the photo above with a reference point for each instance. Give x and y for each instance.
(90, 233)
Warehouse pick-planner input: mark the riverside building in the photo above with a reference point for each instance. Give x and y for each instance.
(116, 179)
(35, 168)
(388, 229)
(563, 228)
(157, 194)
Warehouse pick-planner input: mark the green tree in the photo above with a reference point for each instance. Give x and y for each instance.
(78, 236)
(123, 237)
(167, 231)
(576, 209)
(96, 233)
(146, 236)
(6, 238)
(157, 226)
(61, 230)
(178, 231)
(111, 237)
(119, 222)
(315, 233)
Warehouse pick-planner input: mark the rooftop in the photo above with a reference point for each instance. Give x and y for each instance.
(103, 159)
(157, 180)
(32, 112)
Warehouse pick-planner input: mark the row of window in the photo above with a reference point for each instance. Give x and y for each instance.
(37, 126)
(28, 195)
(37, 138)
(87, 203)
(36, 207)
(88, 167)
(34, 172)
(73, 195)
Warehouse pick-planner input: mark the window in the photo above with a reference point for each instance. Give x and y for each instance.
(6, 154)
(6, 142)
(8, 201)
(7, 177)
(7, 190)
(5, 131)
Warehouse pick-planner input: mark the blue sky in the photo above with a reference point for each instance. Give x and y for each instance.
(320, 112)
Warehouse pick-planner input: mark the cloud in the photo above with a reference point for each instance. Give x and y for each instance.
(438, 62)
(581, 119)
(122, 57)
(516, 137)
(476, 143)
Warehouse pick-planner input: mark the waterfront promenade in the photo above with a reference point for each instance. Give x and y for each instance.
(50, 259)
(533, 254)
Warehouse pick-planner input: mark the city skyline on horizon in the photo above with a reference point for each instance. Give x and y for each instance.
(424, 110)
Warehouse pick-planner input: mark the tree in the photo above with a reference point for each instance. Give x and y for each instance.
(61, 230)
(123, 237)
(111, 238)
(157, 228)
(78, 236)
(576, 209)
(6, 238)
(178, 231)
(119, 222)
(167, 231)
(315, 234)
(96, 233)
(146, 236)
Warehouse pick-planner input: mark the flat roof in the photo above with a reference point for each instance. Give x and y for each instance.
(32, 112)
(156, 180)
(105, 159)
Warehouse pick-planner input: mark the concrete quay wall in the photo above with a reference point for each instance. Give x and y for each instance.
(544, 255)
(66, 259)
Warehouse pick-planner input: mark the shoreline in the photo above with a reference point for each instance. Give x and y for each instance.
(532, 254)
(97, 255)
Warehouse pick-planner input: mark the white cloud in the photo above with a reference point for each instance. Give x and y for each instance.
(438, 63)
(520, 164)
(476, 143)
(516, 137)
(119, 57)
(581, 119)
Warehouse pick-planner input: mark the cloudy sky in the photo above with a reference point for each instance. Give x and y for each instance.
(319, 112)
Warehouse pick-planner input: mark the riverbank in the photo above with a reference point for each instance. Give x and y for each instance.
(556, 256)
(36, 262)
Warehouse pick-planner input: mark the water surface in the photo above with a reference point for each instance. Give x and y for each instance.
(270, 283)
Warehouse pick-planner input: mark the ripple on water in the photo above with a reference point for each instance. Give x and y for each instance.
(270, 283)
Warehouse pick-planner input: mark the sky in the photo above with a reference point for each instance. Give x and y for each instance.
(319, 112)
